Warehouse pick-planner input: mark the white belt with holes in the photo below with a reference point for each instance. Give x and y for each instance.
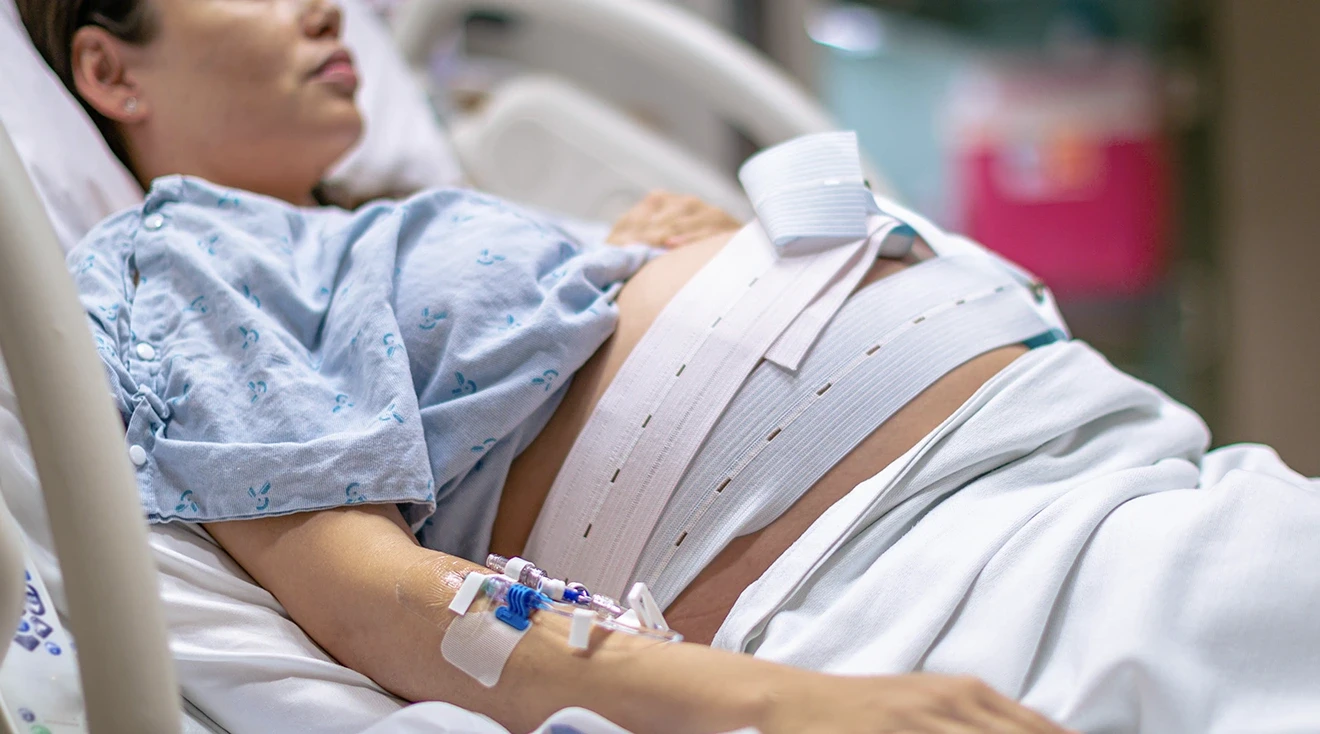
(751, 301)
(668, 394)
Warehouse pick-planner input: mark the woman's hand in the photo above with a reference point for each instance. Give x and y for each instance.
(670, 220)
(925, 704)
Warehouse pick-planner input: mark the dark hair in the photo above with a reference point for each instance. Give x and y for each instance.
(51, 24)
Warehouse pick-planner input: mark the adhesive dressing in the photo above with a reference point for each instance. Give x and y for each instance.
(479, 644)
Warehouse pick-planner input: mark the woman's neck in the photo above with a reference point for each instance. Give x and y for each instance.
(298, 196)
(268, 178)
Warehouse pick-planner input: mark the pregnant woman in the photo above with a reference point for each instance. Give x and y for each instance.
(342, 398)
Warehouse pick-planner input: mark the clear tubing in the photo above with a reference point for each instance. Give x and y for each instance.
(529, 576)
(496, 588)
(497, 563)
(607, 609)
(604, 605)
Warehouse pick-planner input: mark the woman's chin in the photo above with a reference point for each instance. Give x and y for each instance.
(321, 111)
(343, 126)
(344, 112)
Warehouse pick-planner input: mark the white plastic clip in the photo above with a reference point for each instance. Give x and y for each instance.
(467, 593)
(553, 588)
(514, 568)
(648, 612)
(579, 634)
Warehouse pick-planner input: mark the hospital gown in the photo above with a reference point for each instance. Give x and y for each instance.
(270, 359)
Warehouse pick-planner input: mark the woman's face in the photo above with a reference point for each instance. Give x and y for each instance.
(256, 94)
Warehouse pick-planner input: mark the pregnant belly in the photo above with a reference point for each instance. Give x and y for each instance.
(702, 607)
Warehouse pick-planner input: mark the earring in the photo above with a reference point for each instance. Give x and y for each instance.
(130, 105)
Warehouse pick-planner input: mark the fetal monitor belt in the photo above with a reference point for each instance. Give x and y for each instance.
(754, 300)
(784, 431)
(646, 428)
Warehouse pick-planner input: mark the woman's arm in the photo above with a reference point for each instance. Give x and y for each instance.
(337, 573)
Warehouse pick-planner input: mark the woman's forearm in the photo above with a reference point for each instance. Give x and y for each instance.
(358, 584)
(639, 684)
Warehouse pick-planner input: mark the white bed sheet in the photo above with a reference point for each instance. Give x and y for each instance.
(243, 662)
(239, 657)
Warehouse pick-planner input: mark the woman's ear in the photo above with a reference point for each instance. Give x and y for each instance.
(100, 66)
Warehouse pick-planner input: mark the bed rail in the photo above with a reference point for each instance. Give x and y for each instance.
(89, 490)
(732, 78)
(12, 583)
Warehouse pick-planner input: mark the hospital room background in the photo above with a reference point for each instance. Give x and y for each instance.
(1152, 160)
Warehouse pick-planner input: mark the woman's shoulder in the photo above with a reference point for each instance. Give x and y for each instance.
(201, 195)
(114, 233)
(108, 235)
(164, 191)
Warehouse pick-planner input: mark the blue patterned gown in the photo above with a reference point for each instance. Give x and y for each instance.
(270, 359)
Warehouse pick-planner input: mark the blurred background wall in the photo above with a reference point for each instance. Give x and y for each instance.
(1269, 186)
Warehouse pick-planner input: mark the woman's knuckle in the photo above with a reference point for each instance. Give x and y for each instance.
(968, 681)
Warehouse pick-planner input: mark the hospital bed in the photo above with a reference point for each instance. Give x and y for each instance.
(57, 180)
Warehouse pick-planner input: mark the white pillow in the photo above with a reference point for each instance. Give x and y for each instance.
(76, 176)
(403, 149)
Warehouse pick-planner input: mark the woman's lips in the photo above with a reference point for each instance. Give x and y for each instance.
(338, 71)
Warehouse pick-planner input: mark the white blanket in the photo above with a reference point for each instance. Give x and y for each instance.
(1065, 537)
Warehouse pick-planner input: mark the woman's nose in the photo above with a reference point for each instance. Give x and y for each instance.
(322, 19)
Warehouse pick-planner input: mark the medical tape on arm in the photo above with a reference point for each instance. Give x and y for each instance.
(479, 644)
(474, 640)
